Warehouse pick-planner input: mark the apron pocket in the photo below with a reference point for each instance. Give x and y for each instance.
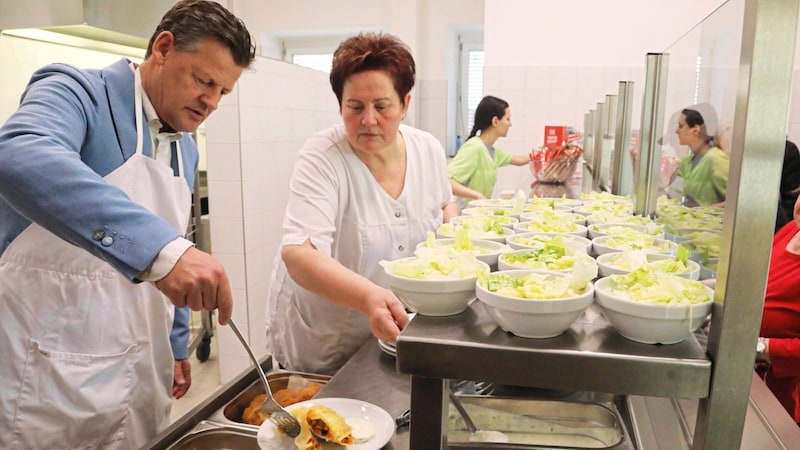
(73, 400)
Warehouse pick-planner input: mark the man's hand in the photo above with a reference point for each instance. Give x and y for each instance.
(199, 281)
(182, 378)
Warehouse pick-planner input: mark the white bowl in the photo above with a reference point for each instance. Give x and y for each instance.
(601, 246)
(537, 227)
(546, 216)
(609, 218)
(506, 203)
(504, 264)
(476, 234)
(603, 229)
(489, 250)
(540, 207)
(439, 297)
(605, 265)
(534, 318)
(504, 221)
(489, 212)
(650, 323)
(519, 241)
(556, 201)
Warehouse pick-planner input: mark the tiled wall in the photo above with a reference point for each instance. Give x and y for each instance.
(550, 95)
(251, 144)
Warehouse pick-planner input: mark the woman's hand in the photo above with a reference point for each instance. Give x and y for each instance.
(387, 315)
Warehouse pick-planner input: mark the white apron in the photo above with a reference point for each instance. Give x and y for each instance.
(86, 353)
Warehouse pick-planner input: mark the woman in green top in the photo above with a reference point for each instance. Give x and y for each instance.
(705, 169)
(473, 171)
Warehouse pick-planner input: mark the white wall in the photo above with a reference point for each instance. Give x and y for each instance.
(554, 61)
(428, 27)
(251, 144)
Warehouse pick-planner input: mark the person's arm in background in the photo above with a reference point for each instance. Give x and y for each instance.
(520, 159)
(461, 169)
(783, 354)
(179, 341)
(449, 211)
(462, 191)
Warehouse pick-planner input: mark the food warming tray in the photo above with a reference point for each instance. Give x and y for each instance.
(533, 423)
(277, 380)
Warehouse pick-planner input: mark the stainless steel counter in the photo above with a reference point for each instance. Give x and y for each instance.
(661, 383)
(370, 375)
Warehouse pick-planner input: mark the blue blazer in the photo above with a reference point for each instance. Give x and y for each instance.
(71, 129)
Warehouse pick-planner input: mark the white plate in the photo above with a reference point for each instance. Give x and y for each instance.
(382, 424)
(387, 347)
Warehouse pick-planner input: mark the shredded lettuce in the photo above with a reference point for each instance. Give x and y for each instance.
(490, 228)
(462, 245)
(636, 240)
(557, 253)
(637, 259)
(435, 266)
(655, 288)
(538, 285)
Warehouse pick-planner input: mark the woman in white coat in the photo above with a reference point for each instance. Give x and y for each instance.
(361, 192)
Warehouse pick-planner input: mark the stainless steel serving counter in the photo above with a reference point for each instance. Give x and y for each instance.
(590, 356)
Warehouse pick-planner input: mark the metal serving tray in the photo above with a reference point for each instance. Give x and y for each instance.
(277, 380)
(217, 438)
(533, 423)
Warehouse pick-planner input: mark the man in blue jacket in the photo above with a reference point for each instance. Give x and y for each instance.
(95, 174)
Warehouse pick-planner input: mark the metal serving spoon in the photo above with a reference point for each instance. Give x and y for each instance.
(476, 435)
(282, 419)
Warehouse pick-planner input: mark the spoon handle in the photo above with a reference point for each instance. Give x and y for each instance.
(463, 412)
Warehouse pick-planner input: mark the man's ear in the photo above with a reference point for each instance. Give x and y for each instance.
(163, 45)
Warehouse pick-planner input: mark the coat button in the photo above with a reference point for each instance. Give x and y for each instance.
(401, 248)
(107, 241)
(99, 234)
(397, 214)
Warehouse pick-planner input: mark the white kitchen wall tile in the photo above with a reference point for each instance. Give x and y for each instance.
(537, 78)
(227, 234)
(301, 123)
(253, 119)
(225, 198)
(256, 228)
(590, 79)
(223, 125)
(224, 162)
(491, 78)
(256, 160)
(564, 78)
(513, 77)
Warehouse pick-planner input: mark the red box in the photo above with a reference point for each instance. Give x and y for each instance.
(555, 135)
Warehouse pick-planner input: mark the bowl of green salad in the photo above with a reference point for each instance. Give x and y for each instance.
(485, 250)
(620, 263)
(536, 304)
(533, 240)
(488, 230)
(557, 253)
(434, 284)
(632, 241)
(654, 308)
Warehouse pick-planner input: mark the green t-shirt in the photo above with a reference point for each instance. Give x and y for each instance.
(707, 183)
(474, 168)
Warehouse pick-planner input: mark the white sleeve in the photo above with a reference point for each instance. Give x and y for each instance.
(312, 205)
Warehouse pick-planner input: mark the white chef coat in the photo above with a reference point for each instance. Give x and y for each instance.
(337, 203)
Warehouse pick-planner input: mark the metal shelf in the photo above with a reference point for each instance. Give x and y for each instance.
(590, 356)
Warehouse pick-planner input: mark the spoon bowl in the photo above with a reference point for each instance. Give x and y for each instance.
(476, 435)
